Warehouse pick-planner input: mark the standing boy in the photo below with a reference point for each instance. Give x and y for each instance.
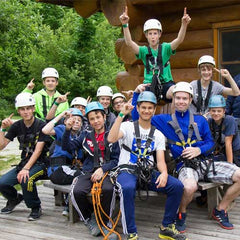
(33, 143)
(156, 57)
(46, 97)
(138, 141)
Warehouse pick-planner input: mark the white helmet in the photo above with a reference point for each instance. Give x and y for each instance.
(79, 101)
(206, 59)
(50, 72)
(24, 99)
(104, 91)
(183, 87)
(116, 95)
(152, 24)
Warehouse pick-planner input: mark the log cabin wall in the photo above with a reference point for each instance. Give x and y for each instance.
(199, 39)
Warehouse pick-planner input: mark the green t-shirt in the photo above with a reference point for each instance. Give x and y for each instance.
(38, 96)
(166, 76)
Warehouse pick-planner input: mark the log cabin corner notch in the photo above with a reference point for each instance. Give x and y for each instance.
(215, 26)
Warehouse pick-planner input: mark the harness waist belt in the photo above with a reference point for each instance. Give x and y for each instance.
(59, 161)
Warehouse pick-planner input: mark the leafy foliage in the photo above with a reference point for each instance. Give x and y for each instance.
(34, 36)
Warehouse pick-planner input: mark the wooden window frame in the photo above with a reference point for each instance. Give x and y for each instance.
(217, 28)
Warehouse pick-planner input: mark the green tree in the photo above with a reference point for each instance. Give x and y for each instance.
(34, 36)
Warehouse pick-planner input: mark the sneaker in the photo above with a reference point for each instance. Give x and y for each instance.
(11, 204)
(35, 214)
(112, 236)
(65, 211)
(180, 222)
(132, 236)
(222, 218)
(91, 224)
(170, 232)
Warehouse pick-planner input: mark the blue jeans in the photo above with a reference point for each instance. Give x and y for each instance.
(128, 183)
(29, 189)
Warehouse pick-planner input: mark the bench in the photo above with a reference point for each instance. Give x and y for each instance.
(214, 191)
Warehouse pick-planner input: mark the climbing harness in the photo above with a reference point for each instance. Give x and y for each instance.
(156, 85)
(98, 210)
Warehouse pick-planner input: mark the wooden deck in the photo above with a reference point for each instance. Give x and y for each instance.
(53, 226)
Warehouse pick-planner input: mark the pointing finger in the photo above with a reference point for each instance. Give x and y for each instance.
(217, 70)
(66, 94)
(11, 115)
(126, 10)
(32, 80)
(185, 11)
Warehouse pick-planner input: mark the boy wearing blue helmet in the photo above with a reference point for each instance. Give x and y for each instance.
(100, 156)
(224, 131)
(139, 140)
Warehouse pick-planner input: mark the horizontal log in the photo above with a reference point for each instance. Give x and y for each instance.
(125, 81)
(112, 10)
(86, 8)
(189, 59)
(136, 70)
(185, 74)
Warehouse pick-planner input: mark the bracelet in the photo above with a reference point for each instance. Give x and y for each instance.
(56, 103)
(3, 129)
(27, 169)
(125, 25)
(121, 115)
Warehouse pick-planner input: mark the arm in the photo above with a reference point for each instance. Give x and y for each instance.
(162, 168)
(23, 175)
(53, 109)
(6, 123)
(182, 31)
(228, 148)
(115, 134)
(30, 86)
(48, 129)
(124, 18)
(234, 90)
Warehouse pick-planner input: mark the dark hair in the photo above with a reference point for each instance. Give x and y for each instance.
(96, 112)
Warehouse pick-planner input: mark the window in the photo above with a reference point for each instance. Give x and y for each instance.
(229, 50)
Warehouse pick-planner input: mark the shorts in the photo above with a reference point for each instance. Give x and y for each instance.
(224, 172)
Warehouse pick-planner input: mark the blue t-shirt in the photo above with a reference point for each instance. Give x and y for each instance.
(229, 129)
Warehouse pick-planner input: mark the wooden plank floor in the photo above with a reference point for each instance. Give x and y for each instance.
(53, 226)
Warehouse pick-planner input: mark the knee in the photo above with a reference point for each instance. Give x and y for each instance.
(236, 176)
(190, 186)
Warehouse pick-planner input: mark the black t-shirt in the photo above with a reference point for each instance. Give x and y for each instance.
(28, 137)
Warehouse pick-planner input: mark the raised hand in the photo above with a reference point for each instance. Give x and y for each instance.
(124, 18)
(31, 84)
(62, 98)
(127, 107)
(7, 122)
(186, 18)
(89, 99)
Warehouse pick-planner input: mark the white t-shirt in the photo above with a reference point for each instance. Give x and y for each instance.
(129, 139)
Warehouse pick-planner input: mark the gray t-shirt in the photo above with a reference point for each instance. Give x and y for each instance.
(217, 89)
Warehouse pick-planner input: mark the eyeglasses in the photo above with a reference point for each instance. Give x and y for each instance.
(119, 102)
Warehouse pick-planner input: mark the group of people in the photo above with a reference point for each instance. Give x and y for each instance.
(87, 143)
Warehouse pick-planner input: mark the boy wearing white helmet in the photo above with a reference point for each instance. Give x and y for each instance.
(118, 101)
(33, 144)
(104, 96)
(205, 87)
(46, 97)
(190, 142)
(157, 71)
(136, 162)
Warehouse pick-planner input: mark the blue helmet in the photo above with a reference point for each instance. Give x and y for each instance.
(94, 106)
(147, 96)
(75, 112)
(217, 101)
